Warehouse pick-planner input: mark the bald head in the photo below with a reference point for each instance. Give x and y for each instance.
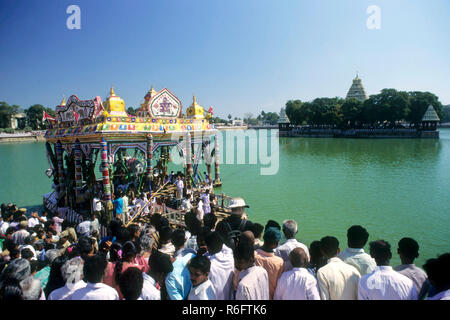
(298, 258)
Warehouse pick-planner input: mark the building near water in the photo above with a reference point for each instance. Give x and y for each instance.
(430, 119)
(284, 125)
(357, 90)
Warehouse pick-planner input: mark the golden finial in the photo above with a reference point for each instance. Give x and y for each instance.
(111, 91)
(195, 102)
(63, 102)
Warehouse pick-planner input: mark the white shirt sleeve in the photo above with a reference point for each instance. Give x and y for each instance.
(323, 286)
(311, 290)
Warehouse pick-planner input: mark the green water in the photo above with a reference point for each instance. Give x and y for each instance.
(395, 188)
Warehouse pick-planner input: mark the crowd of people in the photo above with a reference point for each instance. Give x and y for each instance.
(45, 258)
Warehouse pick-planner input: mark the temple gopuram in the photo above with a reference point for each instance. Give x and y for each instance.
(357, 90)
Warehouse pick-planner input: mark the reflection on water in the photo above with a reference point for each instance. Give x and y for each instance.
(358, 152)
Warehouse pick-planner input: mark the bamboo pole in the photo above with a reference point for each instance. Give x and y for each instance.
(144, 206)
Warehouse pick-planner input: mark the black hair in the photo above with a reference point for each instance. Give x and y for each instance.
(26, 253)
(14, 253)
(357, 237)
(123, 235)
(94, 268)
(244, 251)
(132, 229)
(114, 252)
(329, 245)
(214, 242)
(10, 230)
(160, 263)
(114, 226)
(257, 230)
(209, 220)
(84, 245)
(165, 234)
(130, 283)
(178, 238)
(314, 251)
(164, 222)
(33, 266)
(128, 254)
(9, 244)
(201, 237)
(55, 279)
(155, 220)
(11, 290)
(272, 223)
(201, 263)
(380, 250)
(437, 271)
(409, 248)
(193, 225)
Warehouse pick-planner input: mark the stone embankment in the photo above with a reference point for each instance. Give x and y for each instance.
(22, 137)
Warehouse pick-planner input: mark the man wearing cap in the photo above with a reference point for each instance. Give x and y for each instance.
(19, 236)
(235, 221)
(266, 258)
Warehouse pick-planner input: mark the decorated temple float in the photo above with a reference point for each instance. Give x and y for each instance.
(95, 147)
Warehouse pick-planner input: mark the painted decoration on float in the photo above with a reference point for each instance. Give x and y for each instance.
(75, 109)
(165, 104)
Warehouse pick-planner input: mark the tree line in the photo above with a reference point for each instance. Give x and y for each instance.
(387, 109)
(33, 120)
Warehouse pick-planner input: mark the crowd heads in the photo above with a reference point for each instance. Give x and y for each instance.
(212, 257)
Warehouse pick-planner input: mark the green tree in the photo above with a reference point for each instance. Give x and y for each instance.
(352, 111)
(35, 114)
(5, 115)
(419, 103)
(131, 111)
(296, 111)
(445, 113)
(6, 112)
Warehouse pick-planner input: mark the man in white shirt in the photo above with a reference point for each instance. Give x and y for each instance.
(354, 255)
(337, 280)
(34, 220)
(180, 188)
(149, 290)
(253, 280)
(408, 250)
(7, 218)
(94, 271)
(19, 236)
(202, 288)
(297, 283)
(200, 212)
(290, 229)
(141, 202)
(384, 283)
(97, 206)
(72, 273)
(222, 266)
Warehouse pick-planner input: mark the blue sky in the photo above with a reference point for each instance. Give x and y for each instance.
(237, 55)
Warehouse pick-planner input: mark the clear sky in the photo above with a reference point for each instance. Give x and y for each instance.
(237, 55)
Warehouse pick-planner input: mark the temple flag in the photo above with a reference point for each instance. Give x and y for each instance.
(76, 115)
(46, 116)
